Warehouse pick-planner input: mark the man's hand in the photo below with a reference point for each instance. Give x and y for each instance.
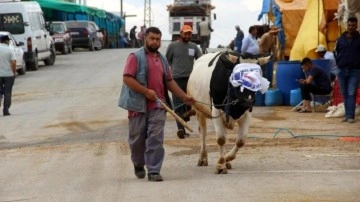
(151, 95)
(189, 100)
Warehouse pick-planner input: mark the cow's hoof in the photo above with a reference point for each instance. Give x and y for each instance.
(221, 171)
(228, 165)
(202, 163)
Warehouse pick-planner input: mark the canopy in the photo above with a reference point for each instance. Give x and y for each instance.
(71, 7)
(315, 24)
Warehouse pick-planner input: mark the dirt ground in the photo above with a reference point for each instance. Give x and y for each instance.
(66, 140)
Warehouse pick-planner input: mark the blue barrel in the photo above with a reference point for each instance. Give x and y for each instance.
(287, 74)
(273, 97)
(259, 99)
(295, 97)
(269, 70)
(323, 64)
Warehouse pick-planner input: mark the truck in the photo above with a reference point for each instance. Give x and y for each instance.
(188, 12)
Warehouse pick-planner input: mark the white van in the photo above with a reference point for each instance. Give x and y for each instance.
(25, 21)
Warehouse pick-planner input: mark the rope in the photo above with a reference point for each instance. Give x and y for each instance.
(302, 136)
(220, 105)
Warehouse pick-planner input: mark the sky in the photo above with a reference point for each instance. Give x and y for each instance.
(229, 13)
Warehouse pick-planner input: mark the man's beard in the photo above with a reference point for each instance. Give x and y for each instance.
(185, 39)
(152, 49)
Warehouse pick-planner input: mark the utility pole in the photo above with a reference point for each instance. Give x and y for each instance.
(121, 8)
(124, 16)
(147, 13)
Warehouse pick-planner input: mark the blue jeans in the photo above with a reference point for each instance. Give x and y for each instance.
(349, 80)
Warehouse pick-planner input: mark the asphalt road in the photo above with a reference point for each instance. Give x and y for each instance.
(66, 141)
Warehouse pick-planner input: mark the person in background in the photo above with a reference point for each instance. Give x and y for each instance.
(7, 73)
(347, 55)
(267, 43)
(141, 35)
(147, 78)
(238, 39)
(204, 29)
(267, 46)
(181, 55)
(134, 41)
(250, 46)
(325, 54)
(317, 81)
(124, 41)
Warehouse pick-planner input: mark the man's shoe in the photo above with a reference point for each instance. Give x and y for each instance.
(155, 177)
(181, 134)
(6, 113)
(139, 172)
(350, 120)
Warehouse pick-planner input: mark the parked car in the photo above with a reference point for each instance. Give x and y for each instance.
(85, 34)
(25, 21)
(61, 36)
(19, 53)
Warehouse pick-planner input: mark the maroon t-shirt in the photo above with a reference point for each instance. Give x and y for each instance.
(155, 77)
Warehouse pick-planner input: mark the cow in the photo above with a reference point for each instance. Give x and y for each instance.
(209, 85)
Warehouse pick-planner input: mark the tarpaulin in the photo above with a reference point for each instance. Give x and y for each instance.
(265, 8)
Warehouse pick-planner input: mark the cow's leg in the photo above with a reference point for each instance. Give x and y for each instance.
(221, 140)
(244, 123)
(203, 160)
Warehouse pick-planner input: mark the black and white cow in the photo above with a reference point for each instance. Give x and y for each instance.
(209, 83)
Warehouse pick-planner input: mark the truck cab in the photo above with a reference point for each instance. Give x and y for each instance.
(188, 12)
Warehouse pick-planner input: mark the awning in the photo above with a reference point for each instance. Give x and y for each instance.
(71, 7)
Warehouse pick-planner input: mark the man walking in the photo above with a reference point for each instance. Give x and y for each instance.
(347, 53)
(147, 78)
(181, 55)
(7, 73)
(204, 30)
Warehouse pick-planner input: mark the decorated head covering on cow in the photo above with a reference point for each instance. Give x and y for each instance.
(224, 86)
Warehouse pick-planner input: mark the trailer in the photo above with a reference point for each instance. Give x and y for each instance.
(188, 12)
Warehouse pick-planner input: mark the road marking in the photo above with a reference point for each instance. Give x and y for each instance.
(299, 171)
(333, 155)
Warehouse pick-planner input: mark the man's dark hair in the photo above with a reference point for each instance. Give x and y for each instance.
(153, 30)
(353, 19)
(306, 61)
(251, 28)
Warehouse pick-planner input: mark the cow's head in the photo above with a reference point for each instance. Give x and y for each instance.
(244, 96)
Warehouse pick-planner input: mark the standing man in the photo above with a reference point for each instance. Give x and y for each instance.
(267, 44)
(133, 38)
(347, 52)
(181, 55)
(7, 73)
(250, 46)
(327, 55)
(238, 39)
(204, 30)
(147, 78)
